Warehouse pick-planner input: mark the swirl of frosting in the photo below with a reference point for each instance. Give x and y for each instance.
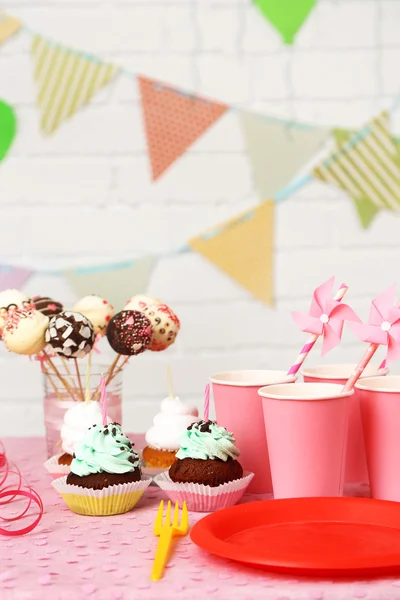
(169, 424)
(205, 440)
(77, 420)
(104, 449)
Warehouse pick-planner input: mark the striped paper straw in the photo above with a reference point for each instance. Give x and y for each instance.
(103, 400)
(313, 338)
(206, 402)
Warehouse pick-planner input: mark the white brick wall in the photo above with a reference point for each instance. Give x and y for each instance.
(85, 194)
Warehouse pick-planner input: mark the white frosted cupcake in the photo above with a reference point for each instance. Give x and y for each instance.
(163, 438)
(77, 421)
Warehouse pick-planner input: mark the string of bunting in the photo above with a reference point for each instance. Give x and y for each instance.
(364, 164)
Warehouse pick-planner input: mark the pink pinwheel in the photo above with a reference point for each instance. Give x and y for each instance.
(383, 326)
(326, 316)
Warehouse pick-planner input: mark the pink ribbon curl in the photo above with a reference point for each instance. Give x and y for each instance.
(326, 316)
(9, 492)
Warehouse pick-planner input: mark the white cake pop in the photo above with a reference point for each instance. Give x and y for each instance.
(97, 310)
(24, 332)
(140, 302)
(11, 300)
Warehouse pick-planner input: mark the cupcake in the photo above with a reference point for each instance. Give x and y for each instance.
(77, 420)
(163, 438)
(206, 474)
(105, 477)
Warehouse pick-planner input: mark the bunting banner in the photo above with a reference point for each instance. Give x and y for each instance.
(8, 128)
(173, 122)
(367, 168)
(287, 16)
(13, 277)
(66, 81)
(8, 27)
(277, 151)
(117, 283)
(243, 249)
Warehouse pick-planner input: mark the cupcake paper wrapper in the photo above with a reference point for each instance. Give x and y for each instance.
(113, 500)
(204, 498)
(55, 469)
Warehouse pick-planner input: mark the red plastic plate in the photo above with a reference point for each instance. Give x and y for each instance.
(309, 536)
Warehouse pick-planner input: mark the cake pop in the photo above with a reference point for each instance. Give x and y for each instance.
(11, 300)
(47, 306)
(97, 310)
(165, 325)
(70, 334)
(141, 302)
(129, 332)
(24, 332)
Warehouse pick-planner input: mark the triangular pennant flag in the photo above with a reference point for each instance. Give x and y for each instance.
(8, 128)
(173, 121)
(117, 283)
(278, 150)
(287, 16)
(8, 26)
(13, 277)
(66, 81)
(366, 165)
(243, 248)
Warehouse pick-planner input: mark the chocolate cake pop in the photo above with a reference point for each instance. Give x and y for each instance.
(47, 306)
(11, 300)
(97, 310)
(129, 332)
(70, 334)
(165, 325)
(140, 302)
(24, 332)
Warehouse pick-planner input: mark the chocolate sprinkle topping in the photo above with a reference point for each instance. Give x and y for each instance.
(203, 426)
(129, 332)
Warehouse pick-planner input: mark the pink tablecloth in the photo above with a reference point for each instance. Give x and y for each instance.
(71, 557)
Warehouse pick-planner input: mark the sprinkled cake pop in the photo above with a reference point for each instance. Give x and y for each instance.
(97, 310)
(140, 302)
(11, 300)
(129, 332)
(47, 306)
(24, 332)
(165, 325)
(70, 334)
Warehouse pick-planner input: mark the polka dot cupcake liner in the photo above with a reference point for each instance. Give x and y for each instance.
(204, 498)
(113, 500)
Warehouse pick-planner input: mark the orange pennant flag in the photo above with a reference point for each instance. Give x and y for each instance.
(173, 122)
(8, 26)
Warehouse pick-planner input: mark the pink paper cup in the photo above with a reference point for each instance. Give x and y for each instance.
(306, 426)
(380, 413)
(238, 407)
(356, 463)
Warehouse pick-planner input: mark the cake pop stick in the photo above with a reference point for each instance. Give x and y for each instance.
(53, 385)
(60, 377)
(120, 368)
(169, 380)
(78, 375)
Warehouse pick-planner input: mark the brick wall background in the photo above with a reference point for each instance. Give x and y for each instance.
(84, 195)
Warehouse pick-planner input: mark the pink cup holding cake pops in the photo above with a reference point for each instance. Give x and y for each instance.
(238, 406)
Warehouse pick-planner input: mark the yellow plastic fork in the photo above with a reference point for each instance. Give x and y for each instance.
(167, 532)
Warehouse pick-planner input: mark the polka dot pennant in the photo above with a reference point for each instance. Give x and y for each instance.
(173, 122)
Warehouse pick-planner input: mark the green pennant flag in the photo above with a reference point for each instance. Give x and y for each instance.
(287, 16)
(8, 128)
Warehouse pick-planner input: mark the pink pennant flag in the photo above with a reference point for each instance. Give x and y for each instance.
(13, 277)
(326, 316)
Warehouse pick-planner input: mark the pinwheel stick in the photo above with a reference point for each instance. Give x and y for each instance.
(369, 353)
(304, 352)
